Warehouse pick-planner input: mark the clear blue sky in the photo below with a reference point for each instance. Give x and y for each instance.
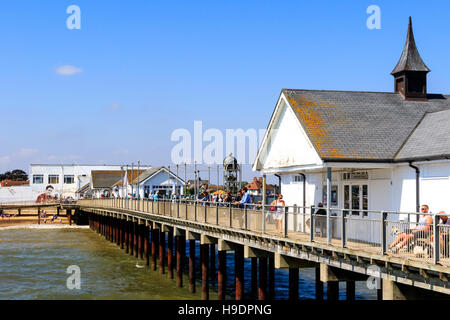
(149, 67)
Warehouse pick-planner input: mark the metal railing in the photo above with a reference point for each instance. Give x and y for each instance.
(379, 232)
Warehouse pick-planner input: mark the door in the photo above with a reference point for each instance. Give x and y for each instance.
(356, 198)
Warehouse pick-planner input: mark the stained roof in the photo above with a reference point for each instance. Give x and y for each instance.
(430, 140)
(130, 174)
(360, 126)
(104, 178)
(410, 59)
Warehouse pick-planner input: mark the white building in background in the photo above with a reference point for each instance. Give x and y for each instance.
(372, 148)
(66, 179)
(149, 181)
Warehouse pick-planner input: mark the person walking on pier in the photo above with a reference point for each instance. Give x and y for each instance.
(279, 213)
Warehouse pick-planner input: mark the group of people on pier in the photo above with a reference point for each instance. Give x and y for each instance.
(422, 232)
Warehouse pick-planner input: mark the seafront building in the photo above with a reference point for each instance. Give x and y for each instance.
(66, 179)
(363, 150)
(150, 181)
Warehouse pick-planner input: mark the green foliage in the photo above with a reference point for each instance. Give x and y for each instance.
(15, 175)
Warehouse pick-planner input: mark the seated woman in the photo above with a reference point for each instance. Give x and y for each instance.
(422, 230)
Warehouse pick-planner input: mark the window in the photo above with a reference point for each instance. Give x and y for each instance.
(53, 179)
(334, 195)
(69, 179)
(297, 179)
(38, 178)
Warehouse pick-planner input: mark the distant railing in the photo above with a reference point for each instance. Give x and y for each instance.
(379, 232)
(27, 203)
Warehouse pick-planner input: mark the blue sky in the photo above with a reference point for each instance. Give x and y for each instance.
(150, 67)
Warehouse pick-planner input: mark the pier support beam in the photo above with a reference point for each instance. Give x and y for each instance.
(262, 281)
(192, 265)
(271, 283)
(350, 290)
(319, 285)
(293, 284)
(122, 233)
(170, 254)
(127, 236)
(221, 274)
(398, 291)
(205, 276)
(293, 264)
(180, 252)
(132, 235)
(239, 272)
(162, 251)
(254, 278)
(212, 259)
(137, 236)
(155, 244)
(146, 245)
(333, 290)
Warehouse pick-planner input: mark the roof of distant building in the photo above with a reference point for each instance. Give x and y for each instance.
(13, 183)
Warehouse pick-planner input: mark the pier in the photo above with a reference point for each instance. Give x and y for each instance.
(140, 228)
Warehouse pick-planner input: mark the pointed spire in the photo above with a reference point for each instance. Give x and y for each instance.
(410, 59)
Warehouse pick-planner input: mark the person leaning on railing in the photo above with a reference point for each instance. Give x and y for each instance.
(422, 230)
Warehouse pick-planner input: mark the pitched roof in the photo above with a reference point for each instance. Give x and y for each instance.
(410, 59)
(104, 178)
(430, 140)
(13, 183)
(257, 184)
(359, 126)
(130, 174)
(84, 188)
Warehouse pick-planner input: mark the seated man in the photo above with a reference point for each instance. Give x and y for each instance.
(422, 230)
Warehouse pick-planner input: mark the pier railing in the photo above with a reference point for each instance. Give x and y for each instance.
(379, 232)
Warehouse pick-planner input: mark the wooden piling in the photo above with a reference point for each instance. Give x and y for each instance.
(271, 284)
(127, 237)
(221, 274)
(136, 239)
(162, 251)
(179, 246)
(333, 290)
(170, 255)
(146, 244)
(239, 272)
(131, 238)
(293, 284)
(155, 244)
(212, 259)
(262, 281)
(142, 251)
(319, 285)
(39, 215)
(205, 276)
(122, 233)
(254, 278)
(350, 290)
(192, 266)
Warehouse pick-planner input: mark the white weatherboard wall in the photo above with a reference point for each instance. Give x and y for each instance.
(160, 179)
(289, 144)
(434, 187)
